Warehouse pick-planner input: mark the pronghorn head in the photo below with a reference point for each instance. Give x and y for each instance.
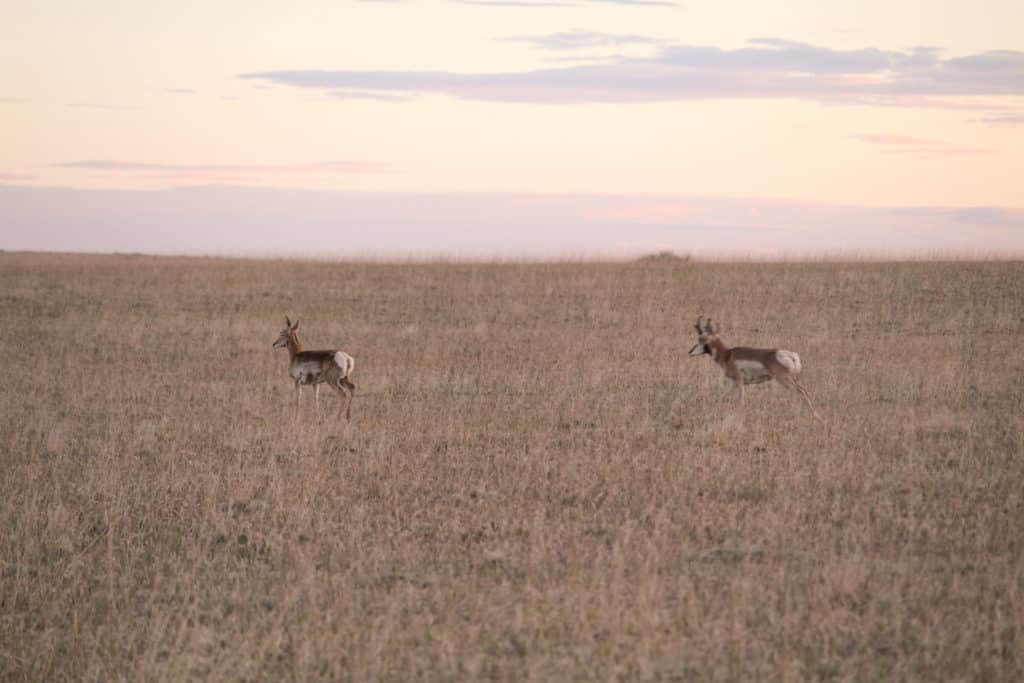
(704, 337)
(286, 334)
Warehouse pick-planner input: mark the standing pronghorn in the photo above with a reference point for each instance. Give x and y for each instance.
(316, 367)
(744, 365)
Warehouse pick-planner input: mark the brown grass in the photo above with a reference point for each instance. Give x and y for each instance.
(537, 483)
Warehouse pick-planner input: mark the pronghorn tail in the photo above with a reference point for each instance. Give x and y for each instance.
(790, 360)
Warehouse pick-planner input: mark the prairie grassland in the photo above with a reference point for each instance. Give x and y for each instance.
(537, 483)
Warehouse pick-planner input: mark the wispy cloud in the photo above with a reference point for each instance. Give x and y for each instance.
(180, 91)
(14, 177)
(101, 105)
(222, 172)
(580, 39)
(955, 103)
(639, 3)
(368, 95)
(514, 3)
(904, 144)
(542, 4)
(583, 58)
(765, 68)
(941, 152)
(1004, 119)
(898, 140)
(566, 3)
(988, 215)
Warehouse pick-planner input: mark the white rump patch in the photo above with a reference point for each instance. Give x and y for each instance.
(789, 360)
(345, 362)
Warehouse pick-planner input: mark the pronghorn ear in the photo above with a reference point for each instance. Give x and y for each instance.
(295, 326)
(287, 322)
(699, 331)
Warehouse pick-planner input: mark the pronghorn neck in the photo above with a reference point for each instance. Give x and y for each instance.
(718, 349)
(294, 345)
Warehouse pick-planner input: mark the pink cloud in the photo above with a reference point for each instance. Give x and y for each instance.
(247, 220)
(647, 211)
(224, 172)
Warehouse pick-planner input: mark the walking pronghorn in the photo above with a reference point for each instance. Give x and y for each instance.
(317, 367)
(744, 365)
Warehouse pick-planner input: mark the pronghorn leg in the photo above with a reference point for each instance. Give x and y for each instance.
(807, 400)
(297, 397)
(316, 398)
(351, 396)
(791, 383)
(341, 385)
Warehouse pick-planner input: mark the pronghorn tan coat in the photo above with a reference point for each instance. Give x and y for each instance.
(331, 367)
(746, 365)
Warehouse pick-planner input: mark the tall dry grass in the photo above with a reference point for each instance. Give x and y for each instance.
(537, 483)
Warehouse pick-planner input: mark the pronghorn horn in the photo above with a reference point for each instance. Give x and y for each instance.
(699, 331)
(296, 325)
(287, 321)
(708, 328)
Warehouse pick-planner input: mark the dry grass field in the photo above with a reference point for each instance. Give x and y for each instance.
(537, 482)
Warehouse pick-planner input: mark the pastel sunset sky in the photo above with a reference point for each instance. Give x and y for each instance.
(519, 127)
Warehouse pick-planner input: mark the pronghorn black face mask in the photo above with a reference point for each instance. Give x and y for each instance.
(700, 349)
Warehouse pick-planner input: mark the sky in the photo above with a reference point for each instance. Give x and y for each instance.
(512, 127)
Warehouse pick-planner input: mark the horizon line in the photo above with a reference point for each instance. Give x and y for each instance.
(656, 257)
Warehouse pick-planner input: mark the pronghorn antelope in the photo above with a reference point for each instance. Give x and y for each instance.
(744, 365)
(317, 367)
